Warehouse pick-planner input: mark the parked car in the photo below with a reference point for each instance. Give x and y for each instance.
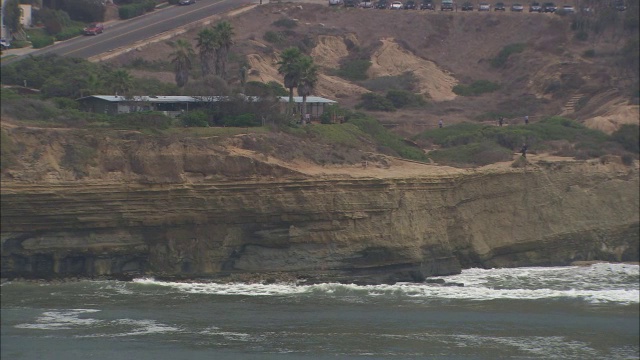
(468, 6)
(535, 7)
(517, 7)
(499, 7)
(94, 29)
(620, 5)
(549, 7)
(186, 2)
(335, 2)
(484, 7)
(567, 9)
(350, 3)
(446, 5)
(427, 5)
(4, 44)
(410, 5)
(396, 5)
(382, 4)
(366, 4)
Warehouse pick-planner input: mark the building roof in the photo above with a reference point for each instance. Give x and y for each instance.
(193, 99)
(310, 99)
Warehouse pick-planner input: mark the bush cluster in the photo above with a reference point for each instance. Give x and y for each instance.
(136, 9)
(476, 88)
(460, 142)
(501, 59)
(394, 99)
(286, 23)
(354, 70)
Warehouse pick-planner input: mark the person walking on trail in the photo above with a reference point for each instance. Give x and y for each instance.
(524, 150)
(440, 124)
(500, 120)
(526, 119)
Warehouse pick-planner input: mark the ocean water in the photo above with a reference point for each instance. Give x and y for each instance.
(589, 312)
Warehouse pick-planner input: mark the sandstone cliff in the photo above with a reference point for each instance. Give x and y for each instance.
(192, 208)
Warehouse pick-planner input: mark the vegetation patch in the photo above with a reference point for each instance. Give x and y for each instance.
(476, 88)
(559, 135)
(407, 81)
(286, 23)
(354, 70)
(501, 59)
(385, 138)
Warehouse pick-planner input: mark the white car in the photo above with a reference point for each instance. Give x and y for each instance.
(4, 44)
(335, 2)
(568, 9)
(396, 5)
(484, 7)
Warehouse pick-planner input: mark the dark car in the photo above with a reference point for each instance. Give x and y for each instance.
(549, 7)
(350, 3)
(410, 5)
(468, 6)
(366, 4)
(446, 5)
(499, 7)
(517, 7)
(535, 7)
(382, 4)
(620, 5)
(427, 5)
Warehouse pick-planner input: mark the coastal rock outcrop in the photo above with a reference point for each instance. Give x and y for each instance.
(278, 222)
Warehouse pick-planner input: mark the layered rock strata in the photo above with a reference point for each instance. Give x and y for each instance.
(363, 230)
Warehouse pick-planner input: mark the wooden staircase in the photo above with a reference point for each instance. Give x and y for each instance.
(570, 106)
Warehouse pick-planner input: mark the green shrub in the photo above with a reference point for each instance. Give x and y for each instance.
(480, 154)
(273, 37)
(68, 33)
(19, 44)
(195, 118)
(142, 120)
(402, 98)
(41, 42)
(406, 81)
(501, 59)
(386, 138)
(331, 111)
(286, 23)
(242, 120)
(65, 103)
(582, 35)
(476, 88)
(629, 137)
(131, 10)
(354, 70)
(589, 53)
(375, 102)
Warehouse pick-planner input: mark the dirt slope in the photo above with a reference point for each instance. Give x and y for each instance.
(391, 59)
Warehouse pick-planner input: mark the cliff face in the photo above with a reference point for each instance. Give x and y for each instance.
(323, 228)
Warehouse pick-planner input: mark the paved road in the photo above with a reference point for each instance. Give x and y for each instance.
(123, 33)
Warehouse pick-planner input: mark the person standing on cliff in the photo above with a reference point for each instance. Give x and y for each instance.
(440, 124)
(526, 119)
(500, 120)
(524, 150)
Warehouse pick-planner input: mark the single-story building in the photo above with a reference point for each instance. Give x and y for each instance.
(175, 105)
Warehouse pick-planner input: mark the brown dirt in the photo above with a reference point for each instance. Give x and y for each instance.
(440, 49)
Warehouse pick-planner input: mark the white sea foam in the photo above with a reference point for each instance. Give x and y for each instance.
(598, 283)
(61, 320)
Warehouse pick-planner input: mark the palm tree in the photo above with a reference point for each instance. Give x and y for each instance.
(207, 45)
(224, 33)
(120, 81)
(288, 66)
(307, 80)
(181, 59)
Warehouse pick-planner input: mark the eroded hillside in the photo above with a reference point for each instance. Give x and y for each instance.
(550, 76)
